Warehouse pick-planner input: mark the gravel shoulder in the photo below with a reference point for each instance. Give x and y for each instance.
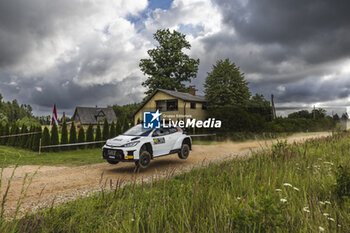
(56, 184)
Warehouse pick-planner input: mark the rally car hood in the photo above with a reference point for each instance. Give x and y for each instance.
(121, 140)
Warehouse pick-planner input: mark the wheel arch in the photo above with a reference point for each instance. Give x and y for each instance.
(187, 141)
(148, 147)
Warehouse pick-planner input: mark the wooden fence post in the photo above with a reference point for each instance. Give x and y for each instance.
(40, 146)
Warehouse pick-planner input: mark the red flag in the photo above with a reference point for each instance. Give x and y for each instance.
(54, 115)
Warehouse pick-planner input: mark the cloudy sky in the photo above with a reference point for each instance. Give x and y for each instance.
(86, 52)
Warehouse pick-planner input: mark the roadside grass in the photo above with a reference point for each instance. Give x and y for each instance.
(12, 156)
(288, 188)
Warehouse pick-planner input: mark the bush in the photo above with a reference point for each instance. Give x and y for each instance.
(112, 132)
(98, 135)
(64, 134)
(72, 135)
(45, 138)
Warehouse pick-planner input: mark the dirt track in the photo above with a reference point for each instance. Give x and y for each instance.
(57, 184)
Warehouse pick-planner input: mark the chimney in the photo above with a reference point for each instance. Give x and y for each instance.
(192, 90)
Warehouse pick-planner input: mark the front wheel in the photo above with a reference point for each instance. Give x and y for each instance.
(112, 161)
(144, 161)
(184, 151)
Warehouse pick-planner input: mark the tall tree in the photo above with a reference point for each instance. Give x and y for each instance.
(36, 138)
(225, 85)
(119, 126)
(168, 66)
(72, 134)
(105, 133)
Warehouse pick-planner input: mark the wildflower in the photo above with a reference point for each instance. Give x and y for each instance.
(132, 219)
(238, 198)
(287, 184)
(321, 202)
(339, 225)
(283, 200)
(328, 163)
(295, 188)
(327, 202)
(331, 219)
(278, 190)
(306, 209)
(326, 214)
(321, 228)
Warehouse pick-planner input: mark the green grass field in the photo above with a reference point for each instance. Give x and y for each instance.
(290, 188)
(11, 156)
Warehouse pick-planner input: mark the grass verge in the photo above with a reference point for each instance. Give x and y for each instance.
(11, 156)
(289, 188)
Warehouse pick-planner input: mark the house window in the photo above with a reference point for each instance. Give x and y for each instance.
(167, 105)
(204, 106)
(193, 105)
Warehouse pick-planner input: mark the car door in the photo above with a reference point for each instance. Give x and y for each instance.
(172, 138)
(160, 139)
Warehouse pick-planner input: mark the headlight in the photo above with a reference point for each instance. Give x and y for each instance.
(131, 144)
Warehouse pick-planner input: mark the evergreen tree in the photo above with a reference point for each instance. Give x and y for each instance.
(6, 132)
(14, 130)
(30, 138)
(1, 132)
(36, 139)
(112, 132)
(72, 135)
(54, 136)
(98, 134)
(105, 133)
(118, 128)
(81, 136)
(125, 125)
(90, 135)
(64, 135)
(225, 85)
(23, 140)
(45, 138)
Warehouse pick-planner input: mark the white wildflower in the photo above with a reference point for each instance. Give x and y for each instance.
(132, 219)
(283, 200)
(339, 225)
(306, 209)
(278, 190)
(295, 188)
(326, 214)
(328, 163)
(287, 184)
(331, 219)
(321, 228)
(238, 198)
(327, 202)
(321, 202)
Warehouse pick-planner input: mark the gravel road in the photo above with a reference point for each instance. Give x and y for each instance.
(56, 184)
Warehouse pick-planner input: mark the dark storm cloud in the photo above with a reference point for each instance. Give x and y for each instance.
(289, 43)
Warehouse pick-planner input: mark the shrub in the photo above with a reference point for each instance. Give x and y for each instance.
(64, 134)
(45, 138)
(54, 136)
(98, 135)
(105, 133)
(112, 132)
(81, 137)
(90, 135)
(72, 135)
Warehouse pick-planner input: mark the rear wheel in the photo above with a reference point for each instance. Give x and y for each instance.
(144, 160)
(184, 151)
(112, 161)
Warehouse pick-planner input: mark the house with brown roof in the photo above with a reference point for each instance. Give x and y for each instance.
(174, 105)
(86, 115)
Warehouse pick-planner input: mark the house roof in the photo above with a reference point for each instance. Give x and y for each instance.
(176, 94)
(89, 115)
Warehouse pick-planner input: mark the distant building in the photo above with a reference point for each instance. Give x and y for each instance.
(86, 115)
(173, 104)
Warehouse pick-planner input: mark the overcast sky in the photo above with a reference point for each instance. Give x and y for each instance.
(86, 52)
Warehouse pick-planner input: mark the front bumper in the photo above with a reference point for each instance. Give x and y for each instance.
(120, 154)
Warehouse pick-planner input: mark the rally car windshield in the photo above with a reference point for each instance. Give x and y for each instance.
(137, 130)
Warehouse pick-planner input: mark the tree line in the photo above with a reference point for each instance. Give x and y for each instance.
(56, 136)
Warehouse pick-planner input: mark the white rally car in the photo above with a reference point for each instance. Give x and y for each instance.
(141, 145)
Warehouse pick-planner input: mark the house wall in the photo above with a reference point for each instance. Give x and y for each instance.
(184, 108)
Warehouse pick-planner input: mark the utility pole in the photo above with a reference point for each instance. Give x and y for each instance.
(273, 107)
